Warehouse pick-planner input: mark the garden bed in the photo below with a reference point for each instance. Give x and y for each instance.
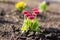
(11, 21)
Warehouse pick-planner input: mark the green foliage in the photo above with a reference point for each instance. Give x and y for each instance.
(25, 26)
(31, 24)
(34, 26)
(21, 9)
(43, 6)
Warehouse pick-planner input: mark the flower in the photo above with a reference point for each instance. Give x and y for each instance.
(35, 13)
(31, 17)
(35, 9)
(19, 5)
(25, 12)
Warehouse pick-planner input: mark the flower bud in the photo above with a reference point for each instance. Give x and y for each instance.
(31, 17)
(35, 13)
(25, 12)
(35, 9)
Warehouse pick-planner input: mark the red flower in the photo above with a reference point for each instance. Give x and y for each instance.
(27, 14)
(31, 17)
(35, 13)
(24, 12)
(35, 9)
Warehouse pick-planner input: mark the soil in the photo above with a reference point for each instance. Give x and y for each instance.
(11, 20)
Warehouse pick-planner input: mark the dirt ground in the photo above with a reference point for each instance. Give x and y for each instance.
(10, 21)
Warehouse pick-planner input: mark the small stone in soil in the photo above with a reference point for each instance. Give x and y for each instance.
(31, 33)
(6, 34)
(14, 29)
(42, 37)
(21, 37)
(2, 13)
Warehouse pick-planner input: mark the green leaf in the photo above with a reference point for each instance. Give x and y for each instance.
(21, 9)
(33, 25)
(42, 7)
(25, 26)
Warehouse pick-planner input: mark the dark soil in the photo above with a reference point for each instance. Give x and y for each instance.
(11, 21)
